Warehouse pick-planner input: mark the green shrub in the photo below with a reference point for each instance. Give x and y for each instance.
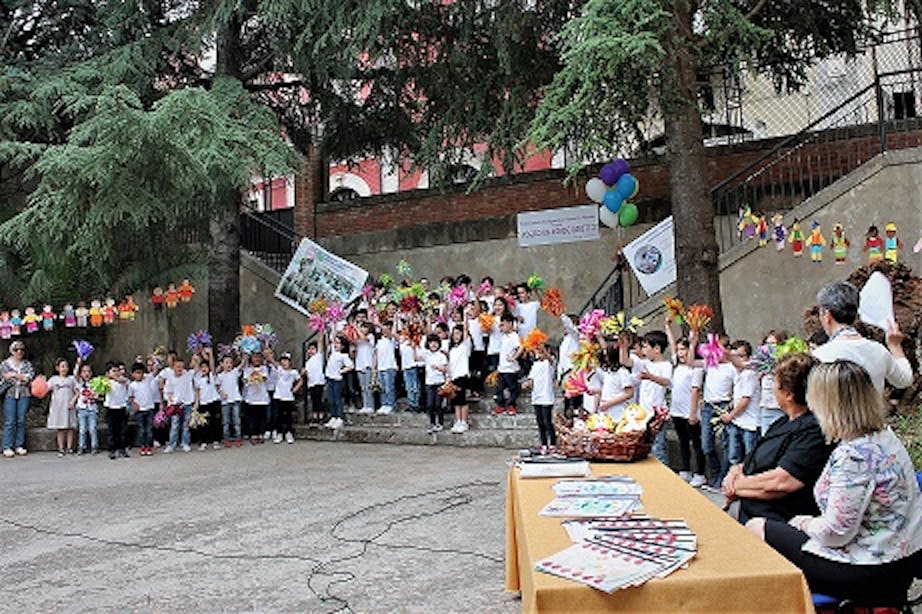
(909, 429)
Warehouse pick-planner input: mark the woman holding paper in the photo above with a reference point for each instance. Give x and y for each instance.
(776, 479)
(838, 304)
(865, 541)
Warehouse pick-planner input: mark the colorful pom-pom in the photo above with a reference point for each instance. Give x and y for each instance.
(552, 302)
(83, 348)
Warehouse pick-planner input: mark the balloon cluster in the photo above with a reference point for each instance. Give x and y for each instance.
(611, 189)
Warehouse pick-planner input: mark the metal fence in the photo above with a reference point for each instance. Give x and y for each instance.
(269, 236)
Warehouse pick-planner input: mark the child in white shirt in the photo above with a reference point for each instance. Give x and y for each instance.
(338, 363)
(229, 390)
(617, 388)
(742, 421)
(509, 352)
(116, 412)
(179, 393)
(364, 366)
(386, 368)
(541, 381)
(208, 402)
(287, 384)
(683, 409)
(459, 358)
(142, 404)
(436, 369)
(654, 373)
(718, 394)
(313, 373)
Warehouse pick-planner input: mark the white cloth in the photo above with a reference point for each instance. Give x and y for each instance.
(542, 380)
(117, 395)
(874, 357)
(408, 355)
(684, 378)
(459, 358)
(207, 386)
(179, 388)
(229, 385)
(508, 346)
(653, 394)
(336, 363)
(614, 384)
(140, 393)
(718, 383)
(529, 314)
(314, 370)
(745, 385)
(432, 360)
(387, 358)
(284, 383)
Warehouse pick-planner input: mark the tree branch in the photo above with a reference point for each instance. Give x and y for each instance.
(756, 9)
(273, 87)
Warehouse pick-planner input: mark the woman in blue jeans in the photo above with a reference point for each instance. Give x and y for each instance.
(16, 374)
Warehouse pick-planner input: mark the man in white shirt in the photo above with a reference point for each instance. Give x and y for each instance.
(838, 304)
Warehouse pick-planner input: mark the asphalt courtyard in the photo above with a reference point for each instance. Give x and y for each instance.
(308, 527)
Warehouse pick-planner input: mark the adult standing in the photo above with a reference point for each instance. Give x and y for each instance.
(838, 304)
(16, 374)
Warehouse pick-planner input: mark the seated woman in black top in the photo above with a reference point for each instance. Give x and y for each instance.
(776, 479)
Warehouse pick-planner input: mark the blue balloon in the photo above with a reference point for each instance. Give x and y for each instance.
(612, 200)
(626, 186)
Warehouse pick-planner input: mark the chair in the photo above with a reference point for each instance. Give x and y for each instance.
(825, 602)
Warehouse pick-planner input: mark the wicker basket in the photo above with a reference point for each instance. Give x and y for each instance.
(605, 446)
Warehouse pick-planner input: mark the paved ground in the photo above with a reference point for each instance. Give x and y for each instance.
(313, 527)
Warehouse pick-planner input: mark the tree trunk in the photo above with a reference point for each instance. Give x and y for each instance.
(224, 227)
(696, 250)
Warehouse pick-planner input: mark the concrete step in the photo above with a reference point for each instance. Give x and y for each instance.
(407, 419)
(495, 438)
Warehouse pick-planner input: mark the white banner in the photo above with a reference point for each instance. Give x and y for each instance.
(652, 257)
(564, 225)
(313, 273)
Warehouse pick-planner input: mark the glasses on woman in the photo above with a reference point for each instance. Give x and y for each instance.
(19, 349)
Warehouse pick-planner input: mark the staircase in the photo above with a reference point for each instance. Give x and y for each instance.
(792, 175)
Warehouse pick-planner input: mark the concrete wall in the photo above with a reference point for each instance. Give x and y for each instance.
(763, 289)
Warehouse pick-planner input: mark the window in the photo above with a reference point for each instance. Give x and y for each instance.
(904, 105)
(342, 195)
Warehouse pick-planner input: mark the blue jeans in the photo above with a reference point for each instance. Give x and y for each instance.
(86, 419)
(768, 417)
(659, 447)
(144, 419)
(368, 395)
(717, 466)
(174, 427)
(14, 422)
(387, 378)
(740, 442)
(230, 419)
(411, 381)
(335, 397)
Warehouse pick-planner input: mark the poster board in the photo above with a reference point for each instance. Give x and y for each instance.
(314, 273)
(652, 257)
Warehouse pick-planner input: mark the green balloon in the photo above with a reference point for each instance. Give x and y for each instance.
(627, 215)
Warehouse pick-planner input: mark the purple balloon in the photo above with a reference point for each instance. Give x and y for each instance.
(612, 172)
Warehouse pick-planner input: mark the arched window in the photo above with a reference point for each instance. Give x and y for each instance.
(341, 195)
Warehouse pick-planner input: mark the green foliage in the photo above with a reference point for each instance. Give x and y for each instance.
(908, 427)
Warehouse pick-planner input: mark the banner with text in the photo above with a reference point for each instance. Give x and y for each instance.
(652, 257)
(314, 273)
(564, 225)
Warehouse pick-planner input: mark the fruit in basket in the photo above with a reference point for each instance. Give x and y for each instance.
(600, 422)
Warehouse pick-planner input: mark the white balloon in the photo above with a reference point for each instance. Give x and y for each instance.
(595, 189)
(607, 217)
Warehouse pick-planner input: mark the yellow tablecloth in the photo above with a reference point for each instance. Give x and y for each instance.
(733, 569)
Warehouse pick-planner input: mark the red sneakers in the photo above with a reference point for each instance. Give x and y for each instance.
(511, 410)
(227, 443)
(499, 410)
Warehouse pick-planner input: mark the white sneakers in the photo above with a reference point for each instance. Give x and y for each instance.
(168, 450)
(289, 437)
(697, 481)
(685, 475)
(186, 448)
(385, 410)
(459, 427)
(267, 436)
(277, 438)
(9, 453)
(333, 423)
(20, 451)
(203, 447)
(366, 410)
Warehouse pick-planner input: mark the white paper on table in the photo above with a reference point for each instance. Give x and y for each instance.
(578, 469)
(876, 304)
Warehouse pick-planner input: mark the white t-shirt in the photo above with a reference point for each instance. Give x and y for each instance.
(459, 360)
(767, 396)
(364, 353)
(718, 383)
(684, 378)
(652, 394)
(542, 379)
(335, 365)
(594, 381)
(387, 360)
(432, 360)
(494, 338)
(314, 370)
(179, 388)
(613, 385)
(529, 314)
(508, 346)
(229, 385)
(874, 357)
(140, 393)
(747, 385)
(256, 392)
(408, 355)
(117, 395)
(284, 383)
(476, 333)
(153, 382)
(207, 388)
(568, 345)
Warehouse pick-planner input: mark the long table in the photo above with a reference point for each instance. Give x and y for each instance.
(733, 569)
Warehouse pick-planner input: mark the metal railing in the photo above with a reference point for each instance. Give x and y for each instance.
(879, 117)
(268, 236)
